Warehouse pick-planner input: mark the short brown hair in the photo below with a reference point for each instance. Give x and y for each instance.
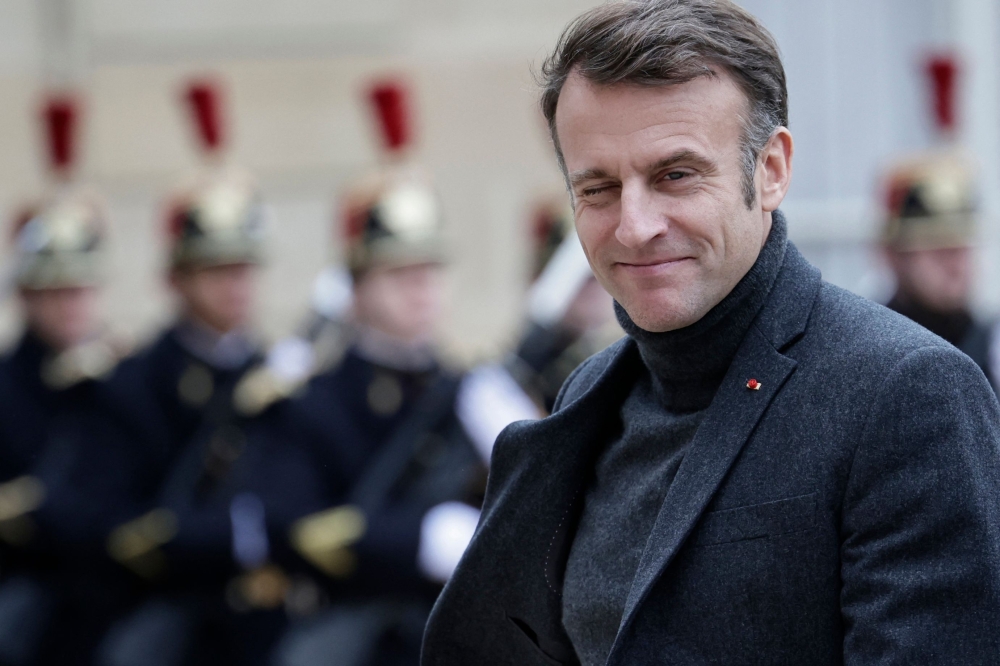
(668, 42)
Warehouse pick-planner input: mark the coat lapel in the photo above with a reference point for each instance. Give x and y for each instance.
(727, 427)
(729, 423)
(546, 465)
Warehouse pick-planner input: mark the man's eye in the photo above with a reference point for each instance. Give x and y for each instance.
(675, 175)
(594, 191)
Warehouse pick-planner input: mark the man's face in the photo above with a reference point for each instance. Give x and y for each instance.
(404, 302)
(62, 318)
(938, 279)
(220, 297)
(656, 177)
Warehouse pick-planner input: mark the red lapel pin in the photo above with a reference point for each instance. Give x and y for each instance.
(753, 385)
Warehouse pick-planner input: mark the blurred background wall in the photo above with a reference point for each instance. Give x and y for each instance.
(295, 71)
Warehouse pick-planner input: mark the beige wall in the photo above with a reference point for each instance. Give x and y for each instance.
(295, 71)
(298, 120)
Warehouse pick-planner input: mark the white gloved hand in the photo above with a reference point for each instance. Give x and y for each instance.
(445, 533)
(488, 401)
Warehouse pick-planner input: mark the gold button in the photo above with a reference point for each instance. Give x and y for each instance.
(196, 386)
(385, 395)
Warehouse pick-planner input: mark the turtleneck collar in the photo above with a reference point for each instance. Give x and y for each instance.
(688, 365)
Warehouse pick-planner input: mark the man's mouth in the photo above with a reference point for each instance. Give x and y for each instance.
(651, 264)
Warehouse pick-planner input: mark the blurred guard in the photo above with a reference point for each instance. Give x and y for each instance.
(57, 258)
(214, 229)
(226, 475)
(47, 384)
(570, 316)
(402, 473)
(929, 232)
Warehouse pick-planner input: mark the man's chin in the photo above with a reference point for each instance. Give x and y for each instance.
(659, 315)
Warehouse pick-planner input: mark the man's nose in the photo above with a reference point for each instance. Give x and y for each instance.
(639, 222)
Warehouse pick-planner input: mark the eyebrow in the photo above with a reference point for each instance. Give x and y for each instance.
(578, 177)
(688, 156)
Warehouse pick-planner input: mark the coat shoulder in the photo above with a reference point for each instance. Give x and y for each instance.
(865, 358)
(847, 326)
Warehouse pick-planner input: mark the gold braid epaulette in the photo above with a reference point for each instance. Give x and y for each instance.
(137, 544)
(325, 539)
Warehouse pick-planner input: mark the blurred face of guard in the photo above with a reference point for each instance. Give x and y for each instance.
(220, 297)
(657, 181)
(939, 279)
(62, 317)
(404, 302)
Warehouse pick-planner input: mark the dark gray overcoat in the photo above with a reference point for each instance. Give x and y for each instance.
(847, 512)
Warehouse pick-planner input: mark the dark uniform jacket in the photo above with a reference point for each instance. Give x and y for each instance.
(389, 441)
(171, 390)
(77, 439)
(213, 463)
(209, 452)
(83, 454)
(847, 512)
(29, 408)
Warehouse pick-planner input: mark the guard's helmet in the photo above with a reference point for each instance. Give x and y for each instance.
(216, 222)
(930, 203)
(393, 217)
(60, 244)
(394, 220)
(218, 218)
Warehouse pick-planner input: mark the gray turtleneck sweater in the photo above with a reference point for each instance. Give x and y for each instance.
(682, 372)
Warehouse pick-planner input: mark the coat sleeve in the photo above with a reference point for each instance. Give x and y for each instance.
(920, 523)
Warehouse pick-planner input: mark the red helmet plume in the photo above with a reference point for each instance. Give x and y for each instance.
(60, 116)
(943, 72)
(390, 102)
(204, 98)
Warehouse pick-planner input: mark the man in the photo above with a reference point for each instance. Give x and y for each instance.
(227, 479)
(768, 469)
(54, 601)
(402, 472)
(929, 232)
(49, 384)
(58, 259)
(59, 252)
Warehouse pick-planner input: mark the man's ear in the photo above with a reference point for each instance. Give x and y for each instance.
(776, 169)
